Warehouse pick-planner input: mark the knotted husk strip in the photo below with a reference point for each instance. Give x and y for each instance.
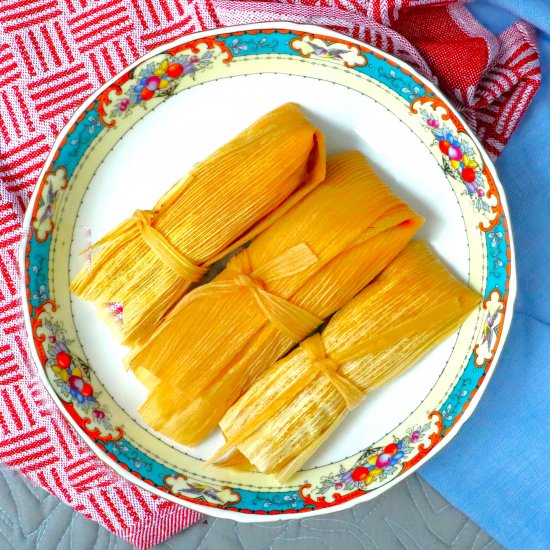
(210, 348)
(292, 408)
(149, 261)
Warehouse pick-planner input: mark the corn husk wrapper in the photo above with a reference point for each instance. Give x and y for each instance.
(294, 406)
(149, 261)
(314, 259)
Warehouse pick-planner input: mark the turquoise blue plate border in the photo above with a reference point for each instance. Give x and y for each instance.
(99, 115)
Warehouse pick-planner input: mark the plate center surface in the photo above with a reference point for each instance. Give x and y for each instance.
(165, 144)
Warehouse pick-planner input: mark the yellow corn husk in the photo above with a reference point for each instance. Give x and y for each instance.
(291, 409)
(314, 259)
(147, 379)
(149, 261)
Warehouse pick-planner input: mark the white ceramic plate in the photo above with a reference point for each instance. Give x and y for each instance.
(145, 129)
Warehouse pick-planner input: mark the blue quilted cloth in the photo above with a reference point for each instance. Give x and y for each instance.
(496, 468)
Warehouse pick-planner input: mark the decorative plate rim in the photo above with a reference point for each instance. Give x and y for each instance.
(236, 514)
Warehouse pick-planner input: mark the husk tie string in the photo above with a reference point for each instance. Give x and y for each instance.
(287, 317)
(172, 257)
(315, 350)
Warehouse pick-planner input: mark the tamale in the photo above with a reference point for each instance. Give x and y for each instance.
(270, 296)
(149, 261)
(291, 409)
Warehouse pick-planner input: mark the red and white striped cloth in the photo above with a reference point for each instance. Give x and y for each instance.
(54, 53)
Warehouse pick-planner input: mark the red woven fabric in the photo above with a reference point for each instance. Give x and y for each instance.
(54, 53)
